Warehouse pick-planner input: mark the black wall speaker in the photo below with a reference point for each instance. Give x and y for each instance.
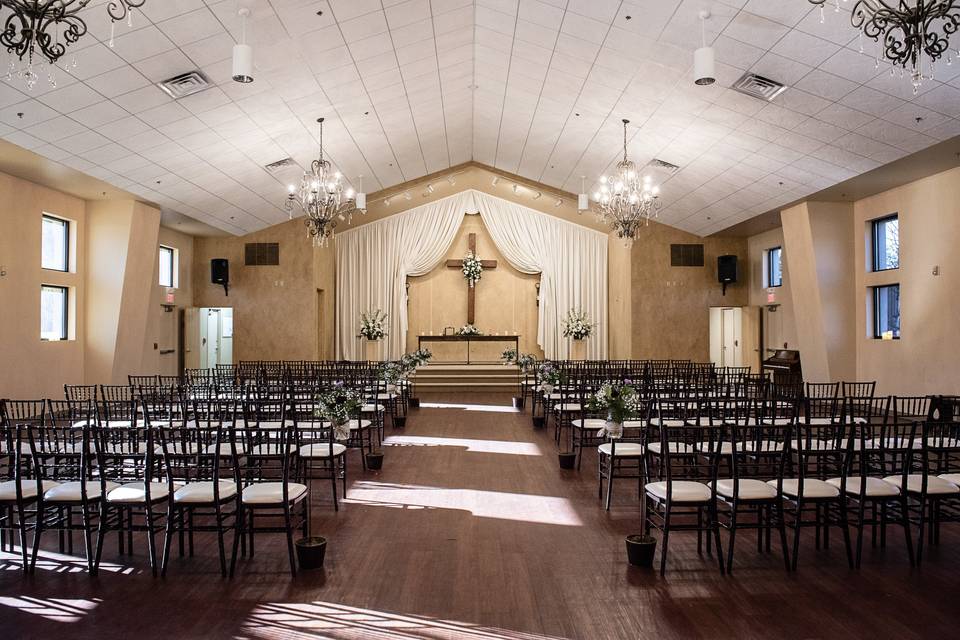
(727, 269)
(220, 273)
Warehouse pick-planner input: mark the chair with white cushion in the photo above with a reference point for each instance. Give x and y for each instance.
(322, 456)
(271, 489)
(142, 499)
(21, 491)
(809, 500)
(931, 480)
(680, 491)
(622, 457)
(747, 498)
(66, 454)
(875, 447)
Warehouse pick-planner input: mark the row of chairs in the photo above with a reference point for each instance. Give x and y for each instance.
(175, 459)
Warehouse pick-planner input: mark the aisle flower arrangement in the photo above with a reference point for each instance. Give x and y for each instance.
(472, 268)
(509, 356)
(468, 330)
(577, 325)
(410, 361)
(526, 361)
(548, 375)
(337, 405)
(373, 325)
(620, 401)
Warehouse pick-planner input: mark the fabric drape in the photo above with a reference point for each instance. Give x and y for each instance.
(374, 261)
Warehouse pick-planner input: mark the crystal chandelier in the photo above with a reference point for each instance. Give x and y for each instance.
(322, 198)
(38, 32)
(914, 34)
(626, 200)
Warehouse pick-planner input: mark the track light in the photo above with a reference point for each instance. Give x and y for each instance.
(386, 202)
(406, 194)
(537, 195)
(451, 180)
(515, 187)
(558, 202)
(429, 188)
(704, 71)
(243, 53)
(496, 180)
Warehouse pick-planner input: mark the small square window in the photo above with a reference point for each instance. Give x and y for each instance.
(886, 243)
(168, 267)
(55, 244)
(886, 311)
(775, 267)
(54, 312)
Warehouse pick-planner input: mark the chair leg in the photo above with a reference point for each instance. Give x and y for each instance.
(907, 535)
(238, 532)
(609, 482)
(666, 541)
(87, 540)
(782, 528)
(101, 533)
(168, 538)
(796, 535)
(220, 545)
(733, 536)
(288, 526)
(715, 527)
(844, 527)
(30, 565)
(22, 526)
(860, 515)
(151, 542)
(333, 480)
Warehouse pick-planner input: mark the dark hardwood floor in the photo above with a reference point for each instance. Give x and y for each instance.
(472, 531)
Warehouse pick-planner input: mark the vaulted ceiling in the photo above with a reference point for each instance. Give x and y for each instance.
(535, 88)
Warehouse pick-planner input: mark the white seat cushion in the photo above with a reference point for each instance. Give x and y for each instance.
(28, 488)
(135, 493)
(876, 488)
(371, 408)
(812, 488)
(353, 425)
(225, 448)
(623, 449)
(951, 477)
(935, 485)
(272, 492)
(748, 488)
(202, 492)
(589, 423)
(674, 447)
(178, 448)
(634, 424)
(321, 450)
(386, 396)
(683, 491)
(764, 446)
(667, 422)
(271, 449)
(70, 491)
(568, 406)
(725, 448)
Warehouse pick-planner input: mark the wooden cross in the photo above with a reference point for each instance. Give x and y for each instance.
(471, 291)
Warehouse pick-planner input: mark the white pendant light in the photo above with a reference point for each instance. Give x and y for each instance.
(704, 67)
(360, 198)
(243, 53)
(583, 200)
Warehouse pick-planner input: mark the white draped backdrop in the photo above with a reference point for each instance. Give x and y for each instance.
(374, 261)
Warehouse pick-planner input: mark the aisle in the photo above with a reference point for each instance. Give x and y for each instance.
(472, 531)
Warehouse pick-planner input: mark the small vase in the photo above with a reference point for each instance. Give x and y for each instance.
(613, 429)
(341, 431)
(547, 389)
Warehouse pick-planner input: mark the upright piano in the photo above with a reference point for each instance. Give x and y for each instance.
(784, 364)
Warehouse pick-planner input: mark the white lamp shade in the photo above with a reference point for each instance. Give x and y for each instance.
(242, 63)
(360, 201)
(583, 202)
(704, 71)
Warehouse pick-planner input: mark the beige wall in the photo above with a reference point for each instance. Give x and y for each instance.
(671, 305)
(163, 325)
(277, 311)
(30, 367)
(505, 298)
(924, 360)
(779, 326)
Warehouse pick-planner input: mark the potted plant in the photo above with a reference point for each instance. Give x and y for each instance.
(373, 328)
(412, 362)
(374, 460)
(640, 549)
(577, 326)
(509, 356)
(548, 377)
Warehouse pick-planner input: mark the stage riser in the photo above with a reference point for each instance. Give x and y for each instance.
(463, 378)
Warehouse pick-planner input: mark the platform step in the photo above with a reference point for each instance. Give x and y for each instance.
(467, 377)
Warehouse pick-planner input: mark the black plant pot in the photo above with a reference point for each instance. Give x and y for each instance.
(399, 422)
(374, 461)
(568, 460)
(517, 402)
(414, 403)
(539, 422)
(640, 550)
(311, 552)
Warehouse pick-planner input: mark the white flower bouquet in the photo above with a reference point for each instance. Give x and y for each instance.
(577, 325)
(373, 325)
(468, 330)
(472, 268)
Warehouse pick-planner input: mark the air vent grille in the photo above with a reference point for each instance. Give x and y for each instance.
(262, 254)
(686, 255)
(758, 87)
(185, 84)
(279, 165)
(669, 167)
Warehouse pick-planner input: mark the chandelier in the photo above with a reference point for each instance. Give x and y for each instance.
(911, 35)
(322, 198)
(38, 33)
(626, 200)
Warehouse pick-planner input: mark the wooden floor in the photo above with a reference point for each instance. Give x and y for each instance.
(472, 531)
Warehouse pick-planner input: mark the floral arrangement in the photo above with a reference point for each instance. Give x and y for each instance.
(410, 361)
(373, 325)
(577, 325)
(526, 361)
(548, 375)
(509, 356)
(621, 402)
(393, 372)
(337, 405)
(468, 330)
(472, 268)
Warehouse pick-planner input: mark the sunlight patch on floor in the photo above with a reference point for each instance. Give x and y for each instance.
(274, 621)
(489, 408)
(60, 563)
(473, 446)
(483, 504)
(56, 609)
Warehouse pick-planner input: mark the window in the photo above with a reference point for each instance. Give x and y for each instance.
(54, 310)
(886, 311)
(886, 243)
(55, 244)
(168, 267)
(774, 267)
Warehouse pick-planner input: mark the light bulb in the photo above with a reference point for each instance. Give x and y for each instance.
(656, 190)
(633, 198)
(337, 175)
(617, 188)
(350, 193)
(292, 189)
(631, 175)
(315, 185)
(596, 195)
(647, 178)
(603, 179)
